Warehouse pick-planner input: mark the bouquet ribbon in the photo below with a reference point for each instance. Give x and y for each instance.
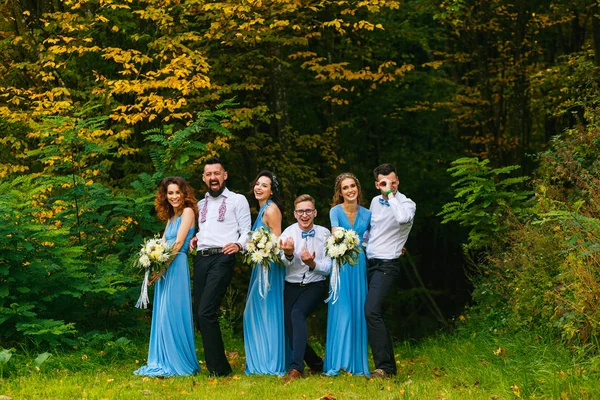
(335, 283)
(144, 300)
(263, 280)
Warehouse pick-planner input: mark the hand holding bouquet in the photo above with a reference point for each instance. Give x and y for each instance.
(343, 248)
(262, 249)
(152, 258)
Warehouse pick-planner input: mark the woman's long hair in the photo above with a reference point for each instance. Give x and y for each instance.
(275, 189)
(161, 204)
(337, 190)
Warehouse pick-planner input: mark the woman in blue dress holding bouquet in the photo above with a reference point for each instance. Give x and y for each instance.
(172, 350)
(346, 345)
(264, 327)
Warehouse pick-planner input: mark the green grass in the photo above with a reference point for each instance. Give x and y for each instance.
(458, 366)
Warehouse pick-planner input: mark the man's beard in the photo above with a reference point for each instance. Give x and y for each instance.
(216, 193)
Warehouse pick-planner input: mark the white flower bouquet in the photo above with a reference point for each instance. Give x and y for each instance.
(262, 249)
(343, 248)
(152, 258)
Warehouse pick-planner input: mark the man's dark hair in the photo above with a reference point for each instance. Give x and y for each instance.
(384, 169)
(215, 160)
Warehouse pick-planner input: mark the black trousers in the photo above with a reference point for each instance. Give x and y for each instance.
(212, 275)
(299, 303)
(381, 275)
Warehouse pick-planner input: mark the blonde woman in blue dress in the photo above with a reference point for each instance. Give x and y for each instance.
(264, 324)
(346, 345)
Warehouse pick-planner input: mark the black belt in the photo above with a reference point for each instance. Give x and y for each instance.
(210, 251)
(301, 284)
(381, 260)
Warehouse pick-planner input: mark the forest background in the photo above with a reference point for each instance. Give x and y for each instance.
(101, 99)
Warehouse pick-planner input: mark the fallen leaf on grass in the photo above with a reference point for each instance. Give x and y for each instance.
(147, 392)
(501, 352)
(213, 381)
(328, 396)
(437, 372)
(516, 390)
(236, 378)
(5, 398)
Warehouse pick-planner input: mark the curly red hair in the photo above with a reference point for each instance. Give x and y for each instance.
(161, 204)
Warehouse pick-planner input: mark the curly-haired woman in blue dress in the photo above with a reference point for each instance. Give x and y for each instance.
(172, 350)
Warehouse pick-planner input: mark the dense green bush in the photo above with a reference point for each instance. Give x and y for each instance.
(542, 265)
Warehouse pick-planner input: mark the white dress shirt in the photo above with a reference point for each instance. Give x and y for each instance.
(390, 226)
(298, 272)
(233, 229)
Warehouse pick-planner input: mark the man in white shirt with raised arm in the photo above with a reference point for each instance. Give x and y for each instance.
(392, 215)
(303, 245)
(223, 226)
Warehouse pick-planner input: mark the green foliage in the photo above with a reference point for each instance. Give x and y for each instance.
(485, 202)
(181, 150)
(547, 272)
(41, 270)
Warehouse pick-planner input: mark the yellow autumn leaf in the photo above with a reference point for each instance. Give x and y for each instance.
(516, 390)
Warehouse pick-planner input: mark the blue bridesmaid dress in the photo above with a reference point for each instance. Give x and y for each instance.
(264, 326)
(346, 345)
(172, 350)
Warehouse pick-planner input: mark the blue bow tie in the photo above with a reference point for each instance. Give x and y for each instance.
(385, 202)
(307, 234)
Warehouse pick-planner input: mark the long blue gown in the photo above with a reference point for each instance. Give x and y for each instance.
(264, 326)
(346, 345)
(172, 350)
